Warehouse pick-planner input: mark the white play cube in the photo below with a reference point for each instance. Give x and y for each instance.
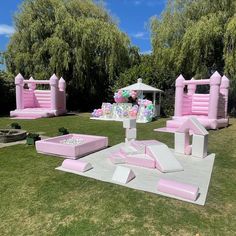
(131, 133)
(129, 123)
(181, 142)
(123, 175)
(199, 145)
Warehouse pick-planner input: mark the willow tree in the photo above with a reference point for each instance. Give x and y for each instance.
(76, 39)
(195, 38)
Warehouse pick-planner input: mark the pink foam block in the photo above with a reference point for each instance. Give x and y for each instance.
(76, 165)
(117, 158)
(141, 145)
(142, 160)
(178, 189)
(188, 150)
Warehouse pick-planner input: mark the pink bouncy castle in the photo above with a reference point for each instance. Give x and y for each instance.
(32, 103)
(210, 109)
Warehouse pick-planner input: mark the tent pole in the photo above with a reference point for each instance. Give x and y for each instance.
(160, 101)
(154, 98)
(154, 104)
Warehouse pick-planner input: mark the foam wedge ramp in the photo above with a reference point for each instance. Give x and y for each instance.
(165, 160)
(123, 175)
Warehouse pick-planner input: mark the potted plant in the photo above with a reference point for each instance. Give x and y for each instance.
(15, 125)
(63, 131)
(32, 138)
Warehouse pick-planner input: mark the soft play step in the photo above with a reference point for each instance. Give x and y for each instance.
(173, 123)
(117, 158)
(142, 160)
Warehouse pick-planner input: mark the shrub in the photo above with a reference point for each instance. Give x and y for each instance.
(33, 136)
(63, 131)
(15, 125)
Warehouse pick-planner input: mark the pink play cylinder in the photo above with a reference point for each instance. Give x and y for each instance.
(178, 189)
(179, 93)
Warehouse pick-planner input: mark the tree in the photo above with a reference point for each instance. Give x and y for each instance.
(76, 39)
(195, 38)
(6, 89)
(144, 69)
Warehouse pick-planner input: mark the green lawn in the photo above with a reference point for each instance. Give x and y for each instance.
(35, 199)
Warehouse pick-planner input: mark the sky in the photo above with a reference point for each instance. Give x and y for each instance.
(133, 17)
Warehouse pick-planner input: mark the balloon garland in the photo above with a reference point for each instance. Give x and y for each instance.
(122, 96)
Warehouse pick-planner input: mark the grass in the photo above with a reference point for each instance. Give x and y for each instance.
(35, 199)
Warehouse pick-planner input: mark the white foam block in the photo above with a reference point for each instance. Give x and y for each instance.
(129, 123)
(123, 175)
(199, 146)
(165, 160)
(117, 158)
(179, 142)
(131, 133)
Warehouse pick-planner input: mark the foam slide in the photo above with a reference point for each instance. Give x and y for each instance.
(165, 160)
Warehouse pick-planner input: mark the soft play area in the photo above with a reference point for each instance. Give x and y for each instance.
(76, 169)
(183, 173)
(130, 102)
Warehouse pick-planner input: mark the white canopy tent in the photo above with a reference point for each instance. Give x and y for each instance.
(144, 88)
